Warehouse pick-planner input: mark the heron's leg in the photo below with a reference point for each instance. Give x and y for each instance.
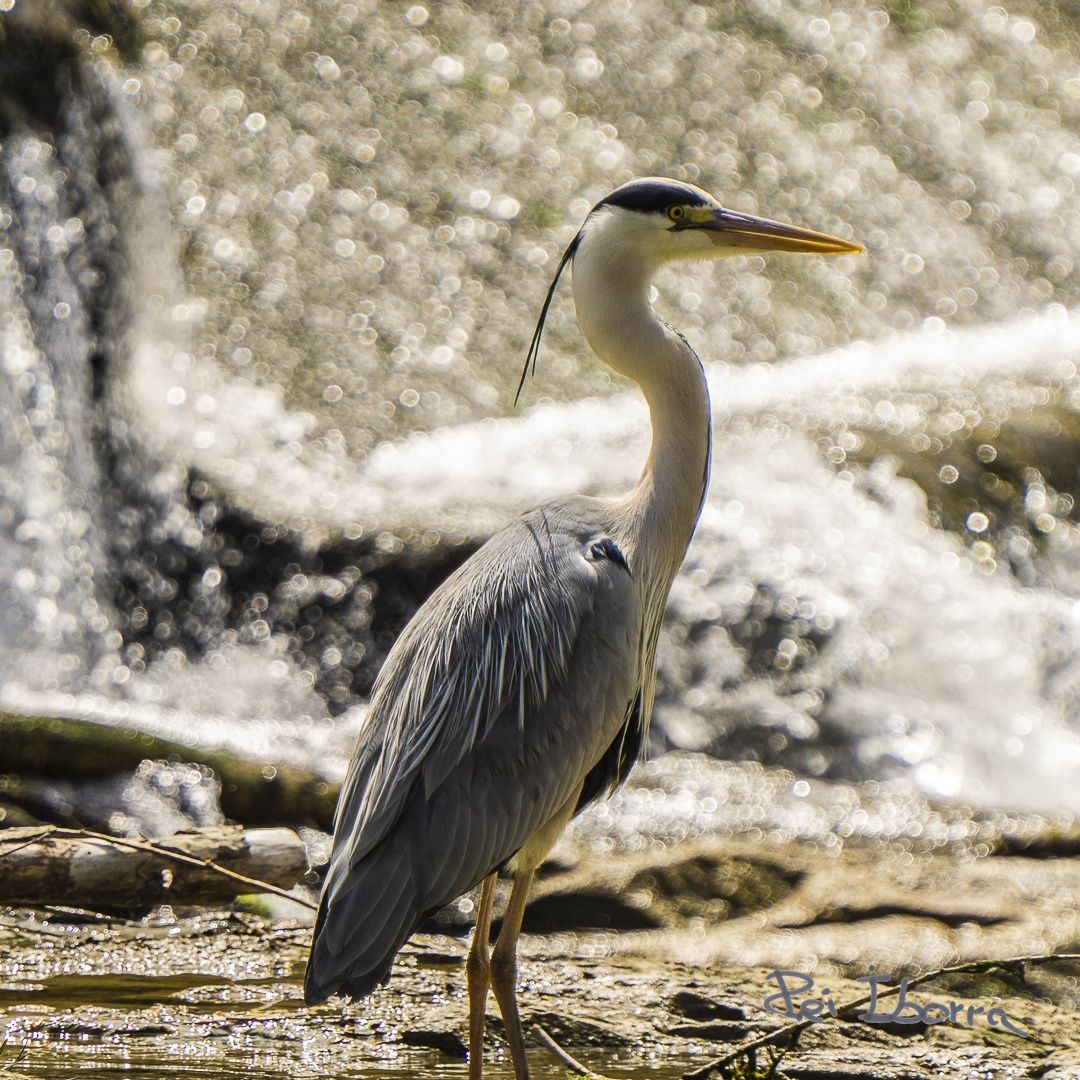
(478, 974)
(504, 970)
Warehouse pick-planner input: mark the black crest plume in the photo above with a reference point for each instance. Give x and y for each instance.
(534, 345)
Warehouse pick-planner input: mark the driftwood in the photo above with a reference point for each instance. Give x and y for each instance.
(45, 865)
(251, 791)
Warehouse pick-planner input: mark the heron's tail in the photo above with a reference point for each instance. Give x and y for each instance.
(367, 912)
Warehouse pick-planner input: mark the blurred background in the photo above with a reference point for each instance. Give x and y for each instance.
(268, 272)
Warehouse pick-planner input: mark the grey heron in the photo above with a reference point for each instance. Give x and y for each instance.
(523, 687)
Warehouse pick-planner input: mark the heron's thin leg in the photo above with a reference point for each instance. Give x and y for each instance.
(504, 971)
(478, 974)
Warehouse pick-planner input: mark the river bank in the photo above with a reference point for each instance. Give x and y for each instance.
(649, 955)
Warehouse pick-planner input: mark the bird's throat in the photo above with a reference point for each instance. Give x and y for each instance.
(618, 321)
(673, 483)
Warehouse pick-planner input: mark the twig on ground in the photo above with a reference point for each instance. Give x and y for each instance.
(790, 1032)
(28, 842)
(566, 1059)
(8, 1071)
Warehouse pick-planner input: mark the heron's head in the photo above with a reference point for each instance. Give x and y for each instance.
(657, 221)
(652, 220)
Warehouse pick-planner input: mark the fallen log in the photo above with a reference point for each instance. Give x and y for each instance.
(46, 865)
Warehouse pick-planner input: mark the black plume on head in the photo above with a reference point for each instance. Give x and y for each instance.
(651, 196)
(534, 345)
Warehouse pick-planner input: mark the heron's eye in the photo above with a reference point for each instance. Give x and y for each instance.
(677, 213)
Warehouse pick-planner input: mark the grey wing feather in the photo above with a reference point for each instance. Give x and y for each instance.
(497, 700)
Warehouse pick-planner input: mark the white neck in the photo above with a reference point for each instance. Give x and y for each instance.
(611, 293)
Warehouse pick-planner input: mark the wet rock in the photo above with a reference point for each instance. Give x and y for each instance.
(584, 910)
(447, 1042)
(169, 990)
(874, 1068)
(665, 889)
(696, 1006)
(1052, 841)
(711, 887)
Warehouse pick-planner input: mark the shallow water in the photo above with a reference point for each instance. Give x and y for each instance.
(271, 1049)
(259, 1055)
(197, 998)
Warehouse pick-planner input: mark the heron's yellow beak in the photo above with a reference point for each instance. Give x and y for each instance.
(728, 228)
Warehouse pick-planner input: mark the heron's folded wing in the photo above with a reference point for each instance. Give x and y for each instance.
(539, 606)
(505, 690)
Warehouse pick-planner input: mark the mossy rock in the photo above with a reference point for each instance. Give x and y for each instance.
(251, 791)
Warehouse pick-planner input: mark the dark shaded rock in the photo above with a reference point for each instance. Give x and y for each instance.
(990, 468)
(698, 1007)
(445, 1041)
(767, 621)
(895, 1027)
(1058, 841)
(581, 910)
(38, 44)
(346, 598)
(440, 959)
(849, 914)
